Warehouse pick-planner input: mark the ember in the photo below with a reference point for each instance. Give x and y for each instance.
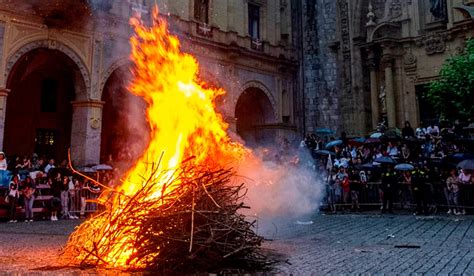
(179, 212)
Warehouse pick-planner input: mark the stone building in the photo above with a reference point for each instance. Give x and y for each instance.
(64, 67)
(370, 60)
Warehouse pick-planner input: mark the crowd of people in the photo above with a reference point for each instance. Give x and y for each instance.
(64, 195)
(428, 159)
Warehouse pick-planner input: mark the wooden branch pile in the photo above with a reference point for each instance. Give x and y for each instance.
(194, 226)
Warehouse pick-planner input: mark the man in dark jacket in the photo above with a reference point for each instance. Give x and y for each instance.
(418, 181)
(389, 183)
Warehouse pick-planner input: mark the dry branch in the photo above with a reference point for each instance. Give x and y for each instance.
(194, 226)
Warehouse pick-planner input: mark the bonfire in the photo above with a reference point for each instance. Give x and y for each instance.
(178, 208)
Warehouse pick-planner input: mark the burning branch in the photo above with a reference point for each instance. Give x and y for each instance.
(194, 227)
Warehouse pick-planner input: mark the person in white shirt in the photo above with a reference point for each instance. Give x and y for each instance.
(433, 130)
(3, 162)
(49, 166)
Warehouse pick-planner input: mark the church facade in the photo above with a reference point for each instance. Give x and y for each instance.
(368, 61)
(64, 69)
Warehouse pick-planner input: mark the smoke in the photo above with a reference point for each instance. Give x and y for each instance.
(281, 188)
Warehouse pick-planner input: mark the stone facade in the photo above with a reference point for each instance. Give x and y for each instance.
(96, 41)
(387, 51)
(319, 64)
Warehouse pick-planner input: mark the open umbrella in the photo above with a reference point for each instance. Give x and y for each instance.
(87, 170)
(393, 133)
(102, 167)
(357, 141)
(367, 167)
(333, 143)
(376, 135)
(467, 165)
(372, 141)
(324, 131)
(325, 152)
(404, 167)
(385, 160)
(458, 157)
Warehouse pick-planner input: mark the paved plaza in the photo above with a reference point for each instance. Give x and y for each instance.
(368, 244)
(321, 244)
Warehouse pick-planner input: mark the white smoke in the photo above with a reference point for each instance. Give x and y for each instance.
(281, 190)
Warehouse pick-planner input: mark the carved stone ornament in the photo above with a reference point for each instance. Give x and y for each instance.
(409, 59)
(395, 9)
(434, 44)
(95, 123)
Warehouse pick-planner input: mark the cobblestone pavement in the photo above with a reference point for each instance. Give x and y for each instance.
(375, 244)
(322, 244)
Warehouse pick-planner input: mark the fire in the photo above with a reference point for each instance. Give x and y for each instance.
(183, 122)
(181, 113)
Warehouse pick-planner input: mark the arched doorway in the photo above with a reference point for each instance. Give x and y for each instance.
(124, 126)
(43, 83)
(255, 115)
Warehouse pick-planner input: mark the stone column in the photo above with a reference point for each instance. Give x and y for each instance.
(374, 94)
(3, 109)
(86, 132)
(387, 63)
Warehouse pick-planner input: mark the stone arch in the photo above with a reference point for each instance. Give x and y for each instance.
(120, 63)
(385, 30)
(264, 89)
(52, 45)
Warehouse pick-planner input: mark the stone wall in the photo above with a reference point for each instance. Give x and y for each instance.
(319, 65)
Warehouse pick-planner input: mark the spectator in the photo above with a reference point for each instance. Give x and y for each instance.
(406, 152)
(65, 197)
(406, 190)
(433, 130)
(452, 193)
(56, 187)
(3, 162)
(464, 179)
(392, 150)
(420, 132)
(419, 178)
(49, 166)
(388, 185)
(407, 131)
(29, 198)
(13, 195)
(74, 188)
(355, 187)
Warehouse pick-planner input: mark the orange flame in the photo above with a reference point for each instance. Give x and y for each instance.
(183, 123)
(181, 113)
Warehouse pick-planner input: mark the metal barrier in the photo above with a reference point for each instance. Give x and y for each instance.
(80, 202)
(371, 195)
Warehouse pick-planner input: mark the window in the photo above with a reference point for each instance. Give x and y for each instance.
(45, 141)
(433, 14)
(49, 95)
(254, 21)
(201, 10)
(45, 137)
